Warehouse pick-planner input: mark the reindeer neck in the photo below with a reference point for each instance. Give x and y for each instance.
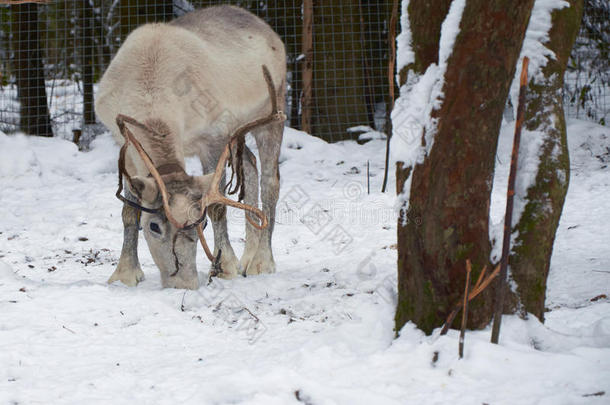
(164, 147)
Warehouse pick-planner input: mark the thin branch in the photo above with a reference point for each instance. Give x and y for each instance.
(508, 218)
(253, 316)
(182, 308)
(465, 311)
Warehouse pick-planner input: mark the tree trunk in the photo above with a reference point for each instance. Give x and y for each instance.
(544, 116)
(339, 92)
(137, 12)
(450, 190)
(29, 71)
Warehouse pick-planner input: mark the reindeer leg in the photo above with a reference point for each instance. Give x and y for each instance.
(218, 215)
(268, 140)
(250, 198)
(128, 270)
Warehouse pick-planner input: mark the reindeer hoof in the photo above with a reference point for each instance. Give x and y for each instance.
(261, 265)
(227, 268)
(128, 276)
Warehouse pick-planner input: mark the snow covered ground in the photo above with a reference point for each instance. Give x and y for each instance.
(319, 331)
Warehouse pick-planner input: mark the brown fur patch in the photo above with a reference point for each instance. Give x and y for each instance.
(161, 142)
(159, 126)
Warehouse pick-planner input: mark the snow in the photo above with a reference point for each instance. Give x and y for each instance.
(419, 96)
(536, 37)
(366, 133)
(404, 51)
(325, 333)
(527, 170)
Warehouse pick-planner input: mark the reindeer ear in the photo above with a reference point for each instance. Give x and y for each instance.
(145, 188)
(203, 183)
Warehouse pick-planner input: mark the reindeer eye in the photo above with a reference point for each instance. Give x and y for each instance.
(154, 227)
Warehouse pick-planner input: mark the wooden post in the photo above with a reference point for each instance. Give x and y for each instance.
(88, 62)
(307, 45)
(508, 218)
(390, 103)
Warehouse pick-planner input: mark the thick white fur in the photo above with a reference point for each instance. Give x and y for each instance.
(150, 73)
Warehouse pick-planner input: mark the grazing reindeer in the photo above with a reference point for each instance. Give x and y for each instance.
(182, 89)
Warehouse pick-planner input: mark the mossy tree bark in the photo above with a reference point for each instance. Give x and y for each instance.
(29, 71)
(535, 231)
(450, 190)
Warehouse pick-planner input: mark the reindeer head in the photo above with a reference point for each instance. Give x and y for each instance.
(171, 234)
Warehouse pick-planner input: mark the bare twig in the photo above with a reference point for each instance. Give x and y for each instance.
(251, 314)
(508, 218)
(182, 303)
(465, 311)
(368, 177)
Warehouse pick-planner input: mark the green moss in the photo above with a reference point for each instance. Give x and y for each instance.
(463, 252)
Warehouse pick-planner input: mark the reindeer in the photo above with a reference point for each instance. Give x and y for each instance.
(193, 87)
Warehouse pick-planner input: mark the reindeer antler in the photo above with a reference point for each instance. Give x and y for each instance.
(213, 196)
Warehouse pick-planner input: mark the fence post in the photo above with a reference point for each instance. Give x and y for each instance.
(307, 44)
(87, 31)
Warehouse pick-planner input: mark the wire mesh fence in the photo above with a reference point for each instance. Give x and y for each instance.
(587, 79)
(67, 45)
(51, 56)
